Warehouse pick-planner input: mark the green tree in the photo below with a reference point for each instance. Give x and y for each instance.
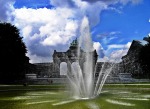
(144, 58)
(13, 51)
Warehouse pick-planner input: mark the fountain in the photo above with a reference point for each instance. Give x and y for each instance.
(83, 82)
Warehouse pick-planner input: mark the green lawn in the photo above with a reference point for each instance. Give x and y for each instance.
(56, 97)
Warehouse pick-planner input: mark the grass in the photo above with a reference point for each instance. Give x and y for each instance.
(55, 97)
(147, 85)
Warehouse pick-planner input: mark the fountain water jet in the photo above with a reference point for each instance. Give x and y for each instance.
(83, 82)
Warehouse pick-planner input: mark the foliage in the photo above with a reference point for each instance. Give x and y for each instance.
(144, 58)
(13, 57)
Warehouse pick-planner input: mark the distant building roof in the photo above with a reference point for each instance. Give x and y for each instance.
(74, 43)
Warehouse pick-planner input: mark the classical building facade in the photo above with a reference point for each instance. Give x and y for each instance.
(129, 64)
(121, 72)
(73, 54)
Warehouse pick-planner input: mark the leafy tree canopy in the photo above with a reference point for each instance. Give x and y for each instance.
(13, 51)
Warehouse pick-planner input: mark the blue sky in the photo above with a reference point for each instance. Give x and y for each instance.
(32, 3)
(132, 23)
(52, 24)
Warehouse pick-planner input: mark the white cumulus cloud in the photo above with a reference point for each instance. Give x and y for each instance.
(116, 46)
(116, 55)
(119, 45)
(46, 29)
(38, 59)
(99, 49)
(43, 28)
(97, 46)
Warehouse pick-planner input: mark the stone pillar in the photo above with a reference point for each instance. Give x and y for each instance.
(69, 68)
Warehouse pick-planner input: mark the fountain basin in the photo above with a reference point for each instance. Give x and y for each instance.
(112, 97)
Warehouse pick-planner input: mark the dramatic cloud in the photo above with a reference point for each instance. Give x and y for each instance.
(107, 37)
(51, 28)
(115, 46)
(64, 3)
(82, 8)
(6, 7)
(38, 59)
(88, 7)
(116, 55)
(46, 29)
(119, 46)
(115, 1)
